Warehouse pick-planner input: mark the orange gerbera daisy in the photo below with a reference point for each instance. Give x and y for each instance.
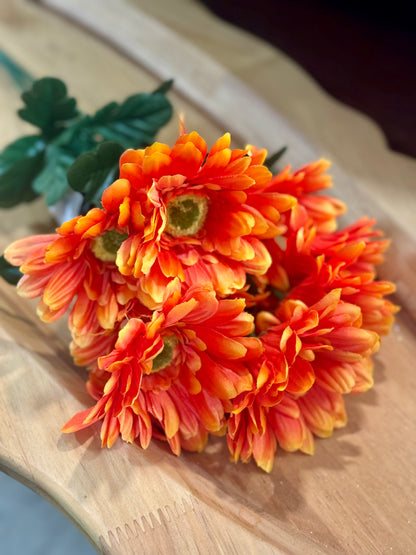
(319, 210)
(304, 346)
(346, 260)
(203, 213)
(311, 264)
(267, 415)
(78, 262)
(174, 374)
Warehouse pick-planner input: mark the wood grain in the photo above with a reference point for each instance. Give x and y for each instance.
(358, 493)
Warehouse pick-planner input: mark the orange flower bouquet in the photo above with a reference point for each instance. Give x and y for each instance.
(207, 296)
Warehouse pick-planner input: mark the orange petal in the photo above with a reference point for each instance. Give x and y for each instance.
(63, 285)
(301, 377)
(115, 194)
(17, 252)
(264, 448)
(77, 422)
(220, 345)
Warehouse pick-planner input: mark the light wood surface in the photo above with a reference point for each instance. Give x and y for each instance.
(358, 493)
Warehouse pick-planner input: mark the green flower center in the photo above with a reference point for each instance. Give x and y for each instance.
(164, 358)
(186, 215)
(105, 246)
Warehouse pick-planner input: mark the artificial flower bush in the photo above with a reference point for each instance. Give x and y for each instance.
(206, 296)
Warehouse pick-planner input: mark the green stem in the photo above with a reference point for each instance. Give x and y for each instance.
(20, 77)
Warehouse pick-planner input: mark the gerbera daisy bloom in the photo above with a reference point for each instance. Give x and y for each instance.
(174, 375)
(345, 259)
(267, 415)
(78, 262)
(203, 213)
(320, 210)
(320, 347)
(310, 264)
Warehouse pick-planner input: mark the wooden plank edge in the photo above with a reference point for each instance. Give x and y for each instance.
(18, 470)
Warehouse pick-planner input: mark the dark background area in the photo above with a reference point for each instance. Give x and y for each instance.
(363, 54)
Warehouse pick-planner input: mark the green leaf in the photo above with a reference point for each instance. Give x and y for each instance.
(52, 180)
(93, 172)
(48, 106)
(271, 160)
(164, 87)
(20, 162)
(38, 164)
(8, 272)
(132, 124)
(25, 147)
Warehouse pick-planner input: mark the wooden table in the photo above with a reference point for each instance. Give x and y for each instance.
(358, 493)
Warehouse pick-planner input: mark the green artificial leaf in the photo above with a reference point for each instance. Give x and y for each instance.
(37, 165)
(132, 124)
(93, 172)
(48, 106)
(25, 147)
(52, 180)
(164, 87)
(20, 162)
(8, 272)
(271, 160)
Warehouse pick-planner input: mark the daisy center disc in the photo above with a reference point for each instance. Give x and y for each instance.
(186, 215)
(164, 358)
(105, 246)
